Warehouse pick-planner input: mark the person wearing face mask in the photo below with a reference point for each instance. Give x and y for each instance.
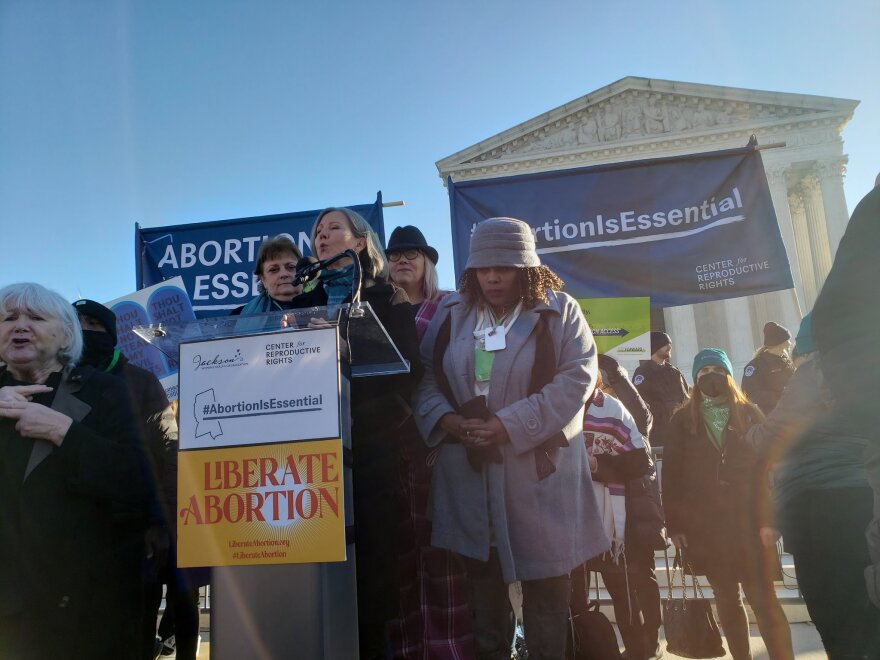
(715, 497)
(157, 425)
(158, 436)
(149, 402)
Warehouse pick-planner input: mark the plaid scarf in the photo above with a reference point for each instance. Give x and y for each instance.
(426, 312)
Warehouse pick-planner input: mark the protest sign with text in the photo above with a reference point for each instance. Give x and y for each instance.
(678, 230)
(166, 302)
(216, 259)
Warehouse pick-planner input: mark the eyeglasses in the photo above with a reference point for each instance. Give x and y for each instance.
(410, 255)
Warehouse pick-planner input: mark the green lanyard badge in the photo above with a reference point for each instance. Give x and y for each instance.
(483, 360)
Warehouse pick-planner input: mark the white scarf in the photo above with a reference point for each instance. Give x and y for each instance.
(609, 429)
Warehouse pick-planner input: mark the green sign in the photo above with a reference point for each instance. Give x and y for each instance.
(621, 326)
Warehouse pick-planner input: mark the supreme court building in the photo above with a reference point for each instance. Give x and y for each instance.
(640, 118)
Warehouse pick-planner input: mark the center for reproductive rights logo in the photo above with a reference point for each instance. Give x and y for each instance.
(208, 411)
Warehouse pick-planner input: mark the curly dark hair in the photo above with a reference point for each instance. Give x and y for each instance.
(533, 283)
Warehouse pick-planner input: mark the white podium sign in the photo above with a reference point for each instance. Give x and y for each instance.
(259, 389)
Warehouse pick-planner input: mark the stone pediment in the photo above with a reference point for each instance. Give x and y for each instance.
(636, 111)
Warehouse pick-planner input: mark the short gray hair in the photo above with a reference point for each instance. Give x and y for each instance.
(37, 298)
(372, 257)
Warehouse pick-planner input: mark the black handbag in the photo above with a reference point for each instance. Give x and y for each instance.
(592, 635)
(689, 624)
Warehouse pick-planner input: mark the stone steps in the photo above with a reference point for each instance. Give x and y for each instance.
(786, 590)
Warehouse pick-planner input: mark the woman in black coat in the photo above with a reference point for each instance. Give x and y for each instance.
(72, 482)
(715, 496)
(379, 410)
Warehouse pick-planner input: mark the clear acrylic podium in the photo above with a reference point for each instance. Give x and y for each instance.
(301, 611)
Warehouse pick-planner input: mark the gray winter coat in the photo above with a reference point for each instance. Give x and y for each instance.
(542, 527)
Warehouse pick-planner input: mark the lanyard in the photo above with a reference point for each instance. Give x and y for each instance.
(116, 354)
(486, 319)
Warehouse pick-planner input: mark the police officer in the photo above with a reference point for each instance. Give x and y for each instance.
(767, 374)
(661, 385)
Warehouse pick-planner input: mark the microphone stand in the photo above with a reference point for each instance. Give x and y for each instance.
(312, 270)
(354, 309)
(356, 282)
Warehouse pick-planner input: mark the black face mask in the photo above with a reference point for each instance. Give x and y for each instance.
(98, 347)
(712, 384)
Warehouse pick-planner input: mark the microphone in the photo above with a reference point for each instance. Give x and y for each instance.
(307, 269)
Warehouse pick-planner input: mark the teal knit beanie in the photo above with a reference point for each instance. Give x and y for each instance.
(710, 356)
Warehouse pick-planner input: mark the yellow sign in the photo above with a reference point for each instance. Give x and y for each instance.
(261, 504)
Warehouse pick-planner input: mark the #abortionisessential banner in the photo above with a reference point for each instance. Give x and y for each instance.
(678, 230)
(259, 389)
(216, 259)
(260, 473)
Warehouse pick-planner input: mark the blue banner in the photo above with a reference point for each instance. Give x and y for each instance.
(216, 259)
(680, 230)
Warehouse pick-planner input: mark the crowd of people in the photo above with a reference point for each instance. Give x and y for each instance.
(512, 452)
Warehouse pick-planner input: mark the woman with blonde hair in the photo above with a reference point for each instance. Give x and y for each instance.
(435, 613)
(379, 411)
(412, 266)
(715, 498)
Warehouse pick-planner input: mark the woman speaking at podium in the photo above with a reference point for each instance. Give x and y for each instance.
(379, 409)
(509, 363)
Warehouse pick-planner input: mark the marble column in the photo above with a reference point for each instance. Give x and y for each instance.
(830, 173)
(767, 305)
(740, 337)
(802, 245)
(818, 229)
(682, 328)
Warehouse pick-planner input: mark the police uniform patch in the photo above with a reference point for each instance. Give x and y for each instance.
(749, 371)
(638, 380)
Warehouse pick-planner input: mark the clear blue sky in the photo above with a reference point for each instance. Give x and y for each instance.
(171, 111)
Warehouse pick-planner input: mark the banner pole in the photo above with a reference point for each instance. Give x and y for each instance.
(385, 205)
(753, 144)
(772, 145)
(138, 265)
(797, 304)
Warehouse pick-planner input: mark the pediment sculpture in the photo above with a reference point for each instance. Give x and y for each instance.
(638, 115)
